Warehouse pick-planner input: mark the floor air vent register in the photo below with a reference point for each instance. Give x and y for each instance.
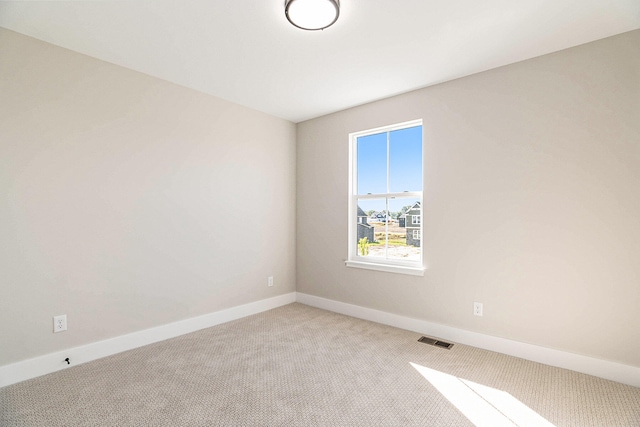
(435, 342)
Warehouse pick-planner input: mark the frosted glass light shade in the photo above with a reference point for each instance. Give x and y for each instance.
(312, 14)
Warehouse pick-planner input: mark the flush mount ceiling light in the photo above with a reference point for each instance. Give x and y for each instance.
(312, 14)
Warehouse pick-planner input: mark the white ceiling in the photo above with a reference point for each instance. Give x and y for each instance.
(245, 51)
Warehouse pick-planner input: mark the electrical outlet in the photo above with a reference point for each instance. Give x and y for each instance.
(60, 323)
(270, 281)
(477, 308)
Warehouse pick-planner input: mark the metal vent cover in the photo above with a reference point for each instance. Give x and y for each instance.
(435, 342)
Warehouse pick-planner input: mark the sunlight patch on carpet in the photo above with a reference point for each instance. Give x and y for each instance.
(484, 406)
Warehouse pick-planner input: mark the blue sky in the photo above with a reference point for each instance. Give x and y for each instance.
(405, 156)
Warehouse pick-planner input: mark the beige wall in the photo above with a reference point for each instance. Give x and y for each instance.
(532, 202)
(127, 202)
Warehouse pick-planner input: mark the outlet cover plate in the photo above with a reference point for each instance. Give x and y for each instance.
(60, 323)
(477, 308)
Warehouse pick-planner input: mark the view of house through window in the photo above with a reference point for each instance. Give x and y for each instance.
(386, 195)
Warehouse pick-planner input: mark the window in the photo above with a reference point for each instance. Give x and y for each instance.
(385, 199)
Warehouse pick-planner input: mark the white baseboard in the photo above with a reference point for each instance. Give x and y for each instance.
(588, 365)
(31, 368)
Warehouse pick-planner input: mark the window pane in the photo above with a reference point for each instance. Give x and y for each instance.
(405, 160)
(372, 164)
(387, 225)
(404, 234)
(371, 228)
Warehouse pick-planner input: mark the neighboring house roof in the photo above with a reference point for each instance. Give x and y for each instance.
(415, 206)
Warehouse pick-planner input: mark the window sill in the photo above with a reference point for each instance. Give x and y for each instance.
(401, 269)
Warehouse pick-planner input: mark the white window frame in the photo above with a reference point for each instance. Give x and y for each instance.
(416, 234)
(415, 219)
(416, 268)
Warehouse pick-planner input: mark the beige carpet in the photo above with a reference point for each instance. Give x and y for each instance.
(300, 366)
